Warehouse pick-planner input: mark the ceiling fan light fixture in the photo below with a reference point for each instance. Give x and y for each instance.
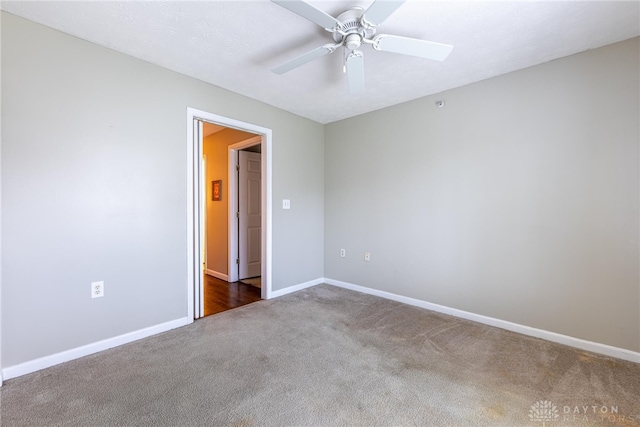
(353, 41)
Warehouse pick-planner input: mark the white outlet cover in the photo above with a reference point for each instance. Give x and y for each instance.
(97, 289)
(286, 204)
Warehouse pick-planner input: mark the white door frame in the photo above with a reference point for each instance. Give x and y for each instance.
(195, 289)
(233, 204)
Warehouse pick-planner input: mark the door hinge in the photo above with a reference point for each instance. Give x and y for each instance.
(237, 260)
(237, 214)
(237, 167)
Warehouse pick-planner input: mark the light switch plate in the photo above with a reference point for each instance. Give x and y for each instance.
(286, 204)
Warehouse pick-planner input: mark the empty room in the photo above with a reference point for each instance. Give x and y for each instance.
(313, 213)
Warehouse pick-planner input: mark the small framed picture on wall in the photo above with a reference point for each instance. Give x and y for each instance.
(216, 190)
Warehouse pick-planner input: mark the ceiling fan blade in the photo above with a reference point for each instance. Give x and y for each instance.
(305, 57)
(355, 72)
(309, 12)
(380, 10)
(414, 47)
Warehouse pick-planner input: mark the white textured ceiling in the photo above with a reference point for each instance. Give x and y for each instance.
(234, 44)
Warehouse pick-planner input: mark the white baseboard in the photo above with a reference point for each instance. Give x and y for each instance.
(594, 347)
(65, 356)
(85, 350)
(216, 274)
(295, 288)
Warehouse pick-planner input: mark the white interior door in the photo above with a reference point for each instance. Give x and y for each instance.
(250, 218)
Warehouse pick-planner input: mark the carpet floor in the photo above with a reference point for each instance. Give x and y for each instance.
(326, 356)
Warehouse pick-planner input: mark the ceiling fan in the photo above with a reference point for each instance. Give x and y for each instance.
(353, 28)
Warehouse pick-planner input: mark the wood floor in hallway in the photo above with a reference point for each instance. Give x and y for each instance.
(222, 296)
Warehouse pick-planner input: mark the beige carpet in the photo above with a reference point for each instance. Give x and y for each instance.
(326, 356)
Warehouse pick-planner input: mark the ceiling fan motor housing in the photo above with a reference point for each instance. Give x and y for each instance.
(351, 25)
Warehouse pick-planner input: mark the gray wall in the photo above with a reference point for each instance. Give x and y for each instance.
(94, 188)
(517, 200)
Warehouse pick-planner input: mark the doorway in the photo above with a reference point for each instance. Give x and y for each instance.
(232, 237)
(204, 192)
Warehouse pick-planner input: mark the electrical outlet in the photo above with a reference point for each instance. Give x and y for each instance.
(97, 289)
(343, 253)
(367, 256)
